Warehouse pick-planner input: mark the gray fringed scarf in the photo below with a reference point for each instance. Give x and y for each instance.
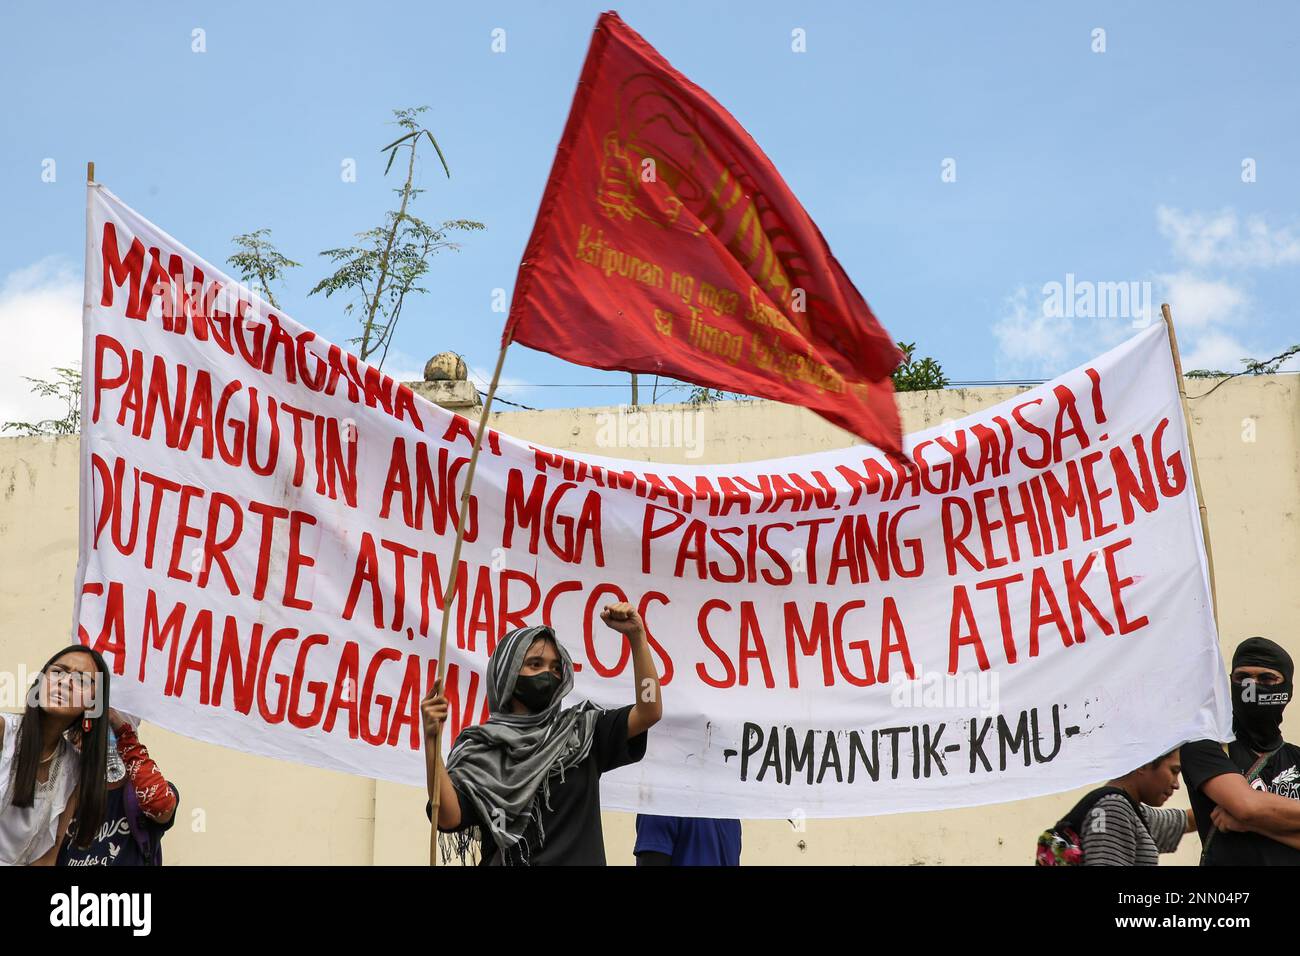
(504, 767)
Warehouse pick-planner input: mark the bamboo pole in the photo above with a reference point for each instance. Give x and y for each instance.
(1191, 450)
(451, 587)
(85, 483)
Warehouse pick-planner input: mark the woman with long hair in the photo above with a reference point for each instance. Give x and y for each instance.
(46, 780)
(524, 787)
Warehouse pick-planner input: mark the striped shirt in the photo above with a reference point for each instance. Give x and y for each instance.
(1114, 835)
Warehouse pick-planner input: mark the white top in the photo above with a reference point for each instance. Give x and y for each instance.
(27, 833)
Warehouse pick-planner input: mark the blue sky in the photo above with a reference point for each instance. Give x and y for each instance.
(1117, 166)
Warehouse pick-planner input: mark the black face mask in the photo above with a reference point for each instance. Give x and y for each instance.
(1257, 713)
(535, 692)
(1257, 708)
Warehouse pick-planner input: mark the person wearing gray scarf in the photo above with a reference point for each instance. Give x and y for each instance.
(522, 788)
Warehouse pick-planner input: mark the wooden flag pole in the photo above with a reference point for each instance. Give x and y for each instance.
(450, 593)
(90, 171)
(1191, 450)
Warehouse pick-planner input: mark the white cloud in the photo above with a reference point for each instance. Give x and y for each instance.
(1216, 351)
(1214, 312)
(1198, 303)
(1223, 241)
(40, 319)
(1035, 342)
(1208, 294)
(1029, 341)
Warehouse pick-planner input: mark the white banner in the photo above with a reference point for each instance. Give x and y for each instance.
(266, 526)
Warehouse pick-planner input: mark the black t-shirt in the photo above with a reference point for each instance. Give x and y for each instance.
(116, 843)
(574, 836)
(1204, 760)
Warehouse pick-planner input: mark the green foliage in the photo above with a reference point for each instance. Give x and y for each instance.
(259, 263)
(66, 386)
(385, 266)
(1252, 366)
(701, 395)
(388, 262)
(406, 120)
(914, 376)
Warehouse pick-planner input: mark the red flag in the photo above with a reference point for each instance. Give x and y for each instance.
(667, 243)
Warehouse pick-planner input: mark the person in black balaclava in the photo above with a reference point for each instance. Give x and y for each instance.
(1246, 796)
(1261, 686)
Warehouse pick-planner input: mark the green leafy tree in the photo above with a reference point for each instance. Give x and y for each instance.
(65, 386)
(917, 376)
(389, 261)
(259, 263)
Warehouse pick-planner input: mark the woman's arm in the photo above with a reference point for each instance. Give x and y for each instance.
(434, 710)
(648, 707)
(155, 795)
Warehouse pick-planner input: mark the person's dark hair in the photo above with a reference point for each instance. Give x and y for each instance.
(545, 639)
(1162, 758)
(92, 782)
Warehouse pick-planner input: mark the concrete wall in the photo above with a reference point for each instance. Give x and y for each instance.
(242, 809)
